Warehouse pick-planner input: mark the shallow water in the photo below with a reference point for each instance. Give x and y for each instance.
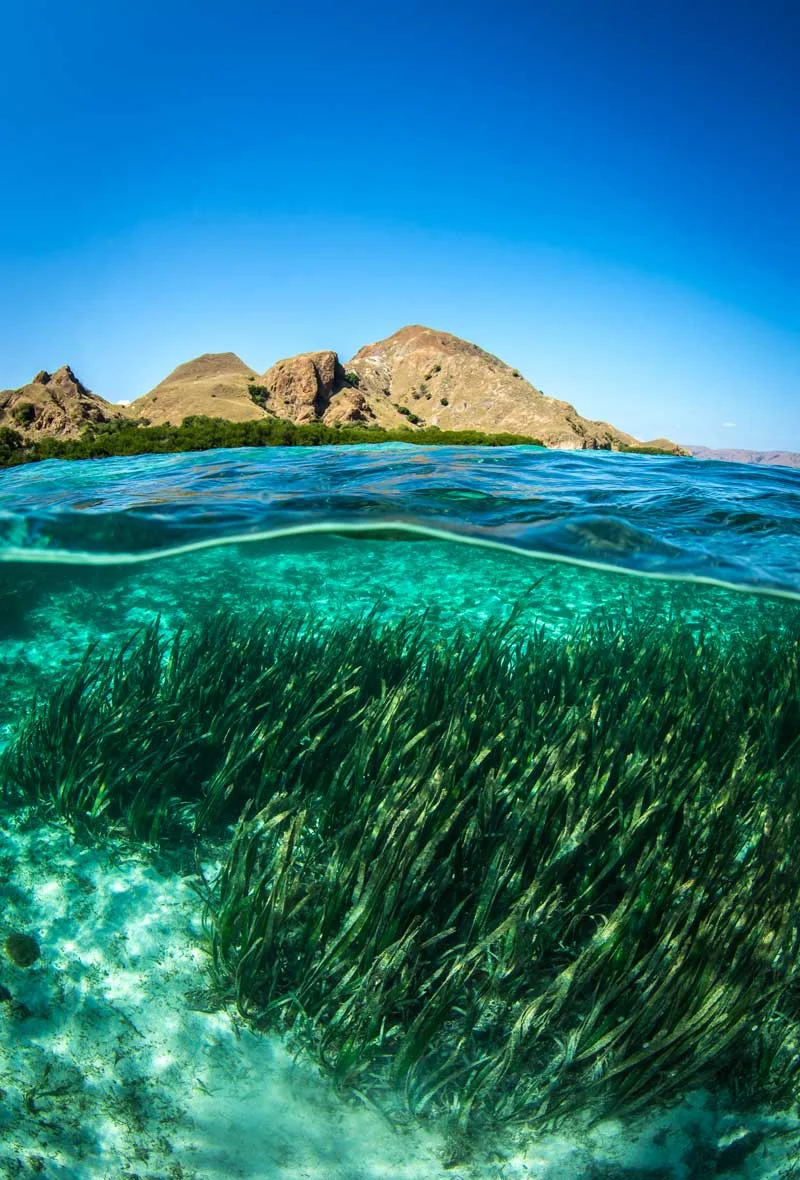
(565, 549)
(731, 521)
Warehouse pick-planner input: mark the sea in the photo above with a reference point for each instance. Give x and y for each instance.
(401, 812)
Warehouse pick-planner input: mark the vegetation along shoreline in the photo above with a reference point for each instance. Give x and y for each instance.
(198, 433)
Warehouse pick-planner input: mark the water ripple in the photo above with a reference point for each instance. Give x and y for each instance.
(735, 522)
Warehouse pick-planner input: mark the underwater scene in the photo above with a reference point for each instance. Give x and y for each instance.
(397, 812)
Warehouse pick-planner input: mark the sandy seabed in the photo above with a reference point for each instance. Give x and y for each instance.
(112, 1066)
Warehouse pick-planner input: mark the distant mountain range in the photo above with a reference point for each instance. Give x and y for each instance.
(734, 455)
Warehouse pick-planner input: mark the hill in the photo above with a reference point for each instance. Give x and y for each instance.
(418, 377)
(447, 382)
(736, 455)
(214, 384)
(54, 405)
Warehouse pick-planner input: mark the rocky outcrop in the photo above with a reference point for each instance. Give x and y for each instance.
(421, 377)
(310, 387)
(350, 407)
(300, 388)
(56, 404)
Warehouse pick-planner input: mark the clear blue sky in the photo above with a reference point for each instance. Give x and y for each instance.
(606, 193)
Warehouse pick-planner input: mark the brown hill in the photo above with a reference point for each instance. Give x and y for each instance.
(54, 404)
(736, 455)
(214, 384)
(417, 377)
(450, 383)
(312, 387)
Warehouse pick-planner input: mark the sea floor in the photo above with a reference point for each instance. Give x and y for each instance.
(114, 1064)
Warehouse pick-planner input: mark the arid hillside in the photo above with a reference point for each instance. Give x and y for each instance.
(736, 455)
(54, 404)
(214, 384)
(417, 377)
(448, 382)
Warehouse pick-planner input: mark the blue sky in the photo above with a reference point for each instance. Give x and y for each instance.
(605, 193)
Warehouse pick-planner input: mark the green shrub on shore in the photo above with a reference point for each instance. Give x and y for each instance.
(507, 875)
(23, 413)
(259, 394)
(644, 450)
(199, 433)
(12, 446)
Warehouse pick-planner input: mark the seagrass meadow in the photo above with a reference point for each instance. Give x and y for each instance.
(495, 844)
(498, 873)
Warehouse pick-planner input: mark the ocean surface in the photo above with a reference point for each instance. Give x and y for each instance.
(230, 678)
(734, 522)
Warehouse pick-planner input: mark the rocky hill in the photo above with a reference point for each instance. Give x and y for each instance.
(448, 382)
(55, 404)
(735, 455)
(417, 377)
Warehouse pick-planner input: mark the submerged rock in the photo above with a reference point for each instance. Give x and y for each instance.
(22, 949)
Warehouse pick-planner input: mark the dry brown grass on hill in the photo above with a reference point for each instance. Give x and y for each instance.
(214, 384)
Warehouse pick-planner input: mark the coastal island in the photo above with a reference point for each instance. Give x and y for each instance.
(419, 386)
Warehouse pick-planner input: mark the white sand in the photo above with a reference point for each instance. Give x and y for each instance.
(107, 1071)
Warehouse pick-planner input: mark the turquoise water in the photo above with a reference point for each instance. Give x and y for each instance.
(91, 549)
(609, 641)
(659, 514)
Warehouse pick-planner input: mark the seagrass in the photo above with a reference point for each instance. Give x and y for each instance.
(505, 874)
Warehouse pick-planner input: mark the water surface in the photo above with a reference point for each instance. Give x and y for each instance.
(616, 601)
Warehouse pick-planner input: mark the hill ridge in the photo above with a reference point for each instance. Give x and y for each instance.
(418, 377)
